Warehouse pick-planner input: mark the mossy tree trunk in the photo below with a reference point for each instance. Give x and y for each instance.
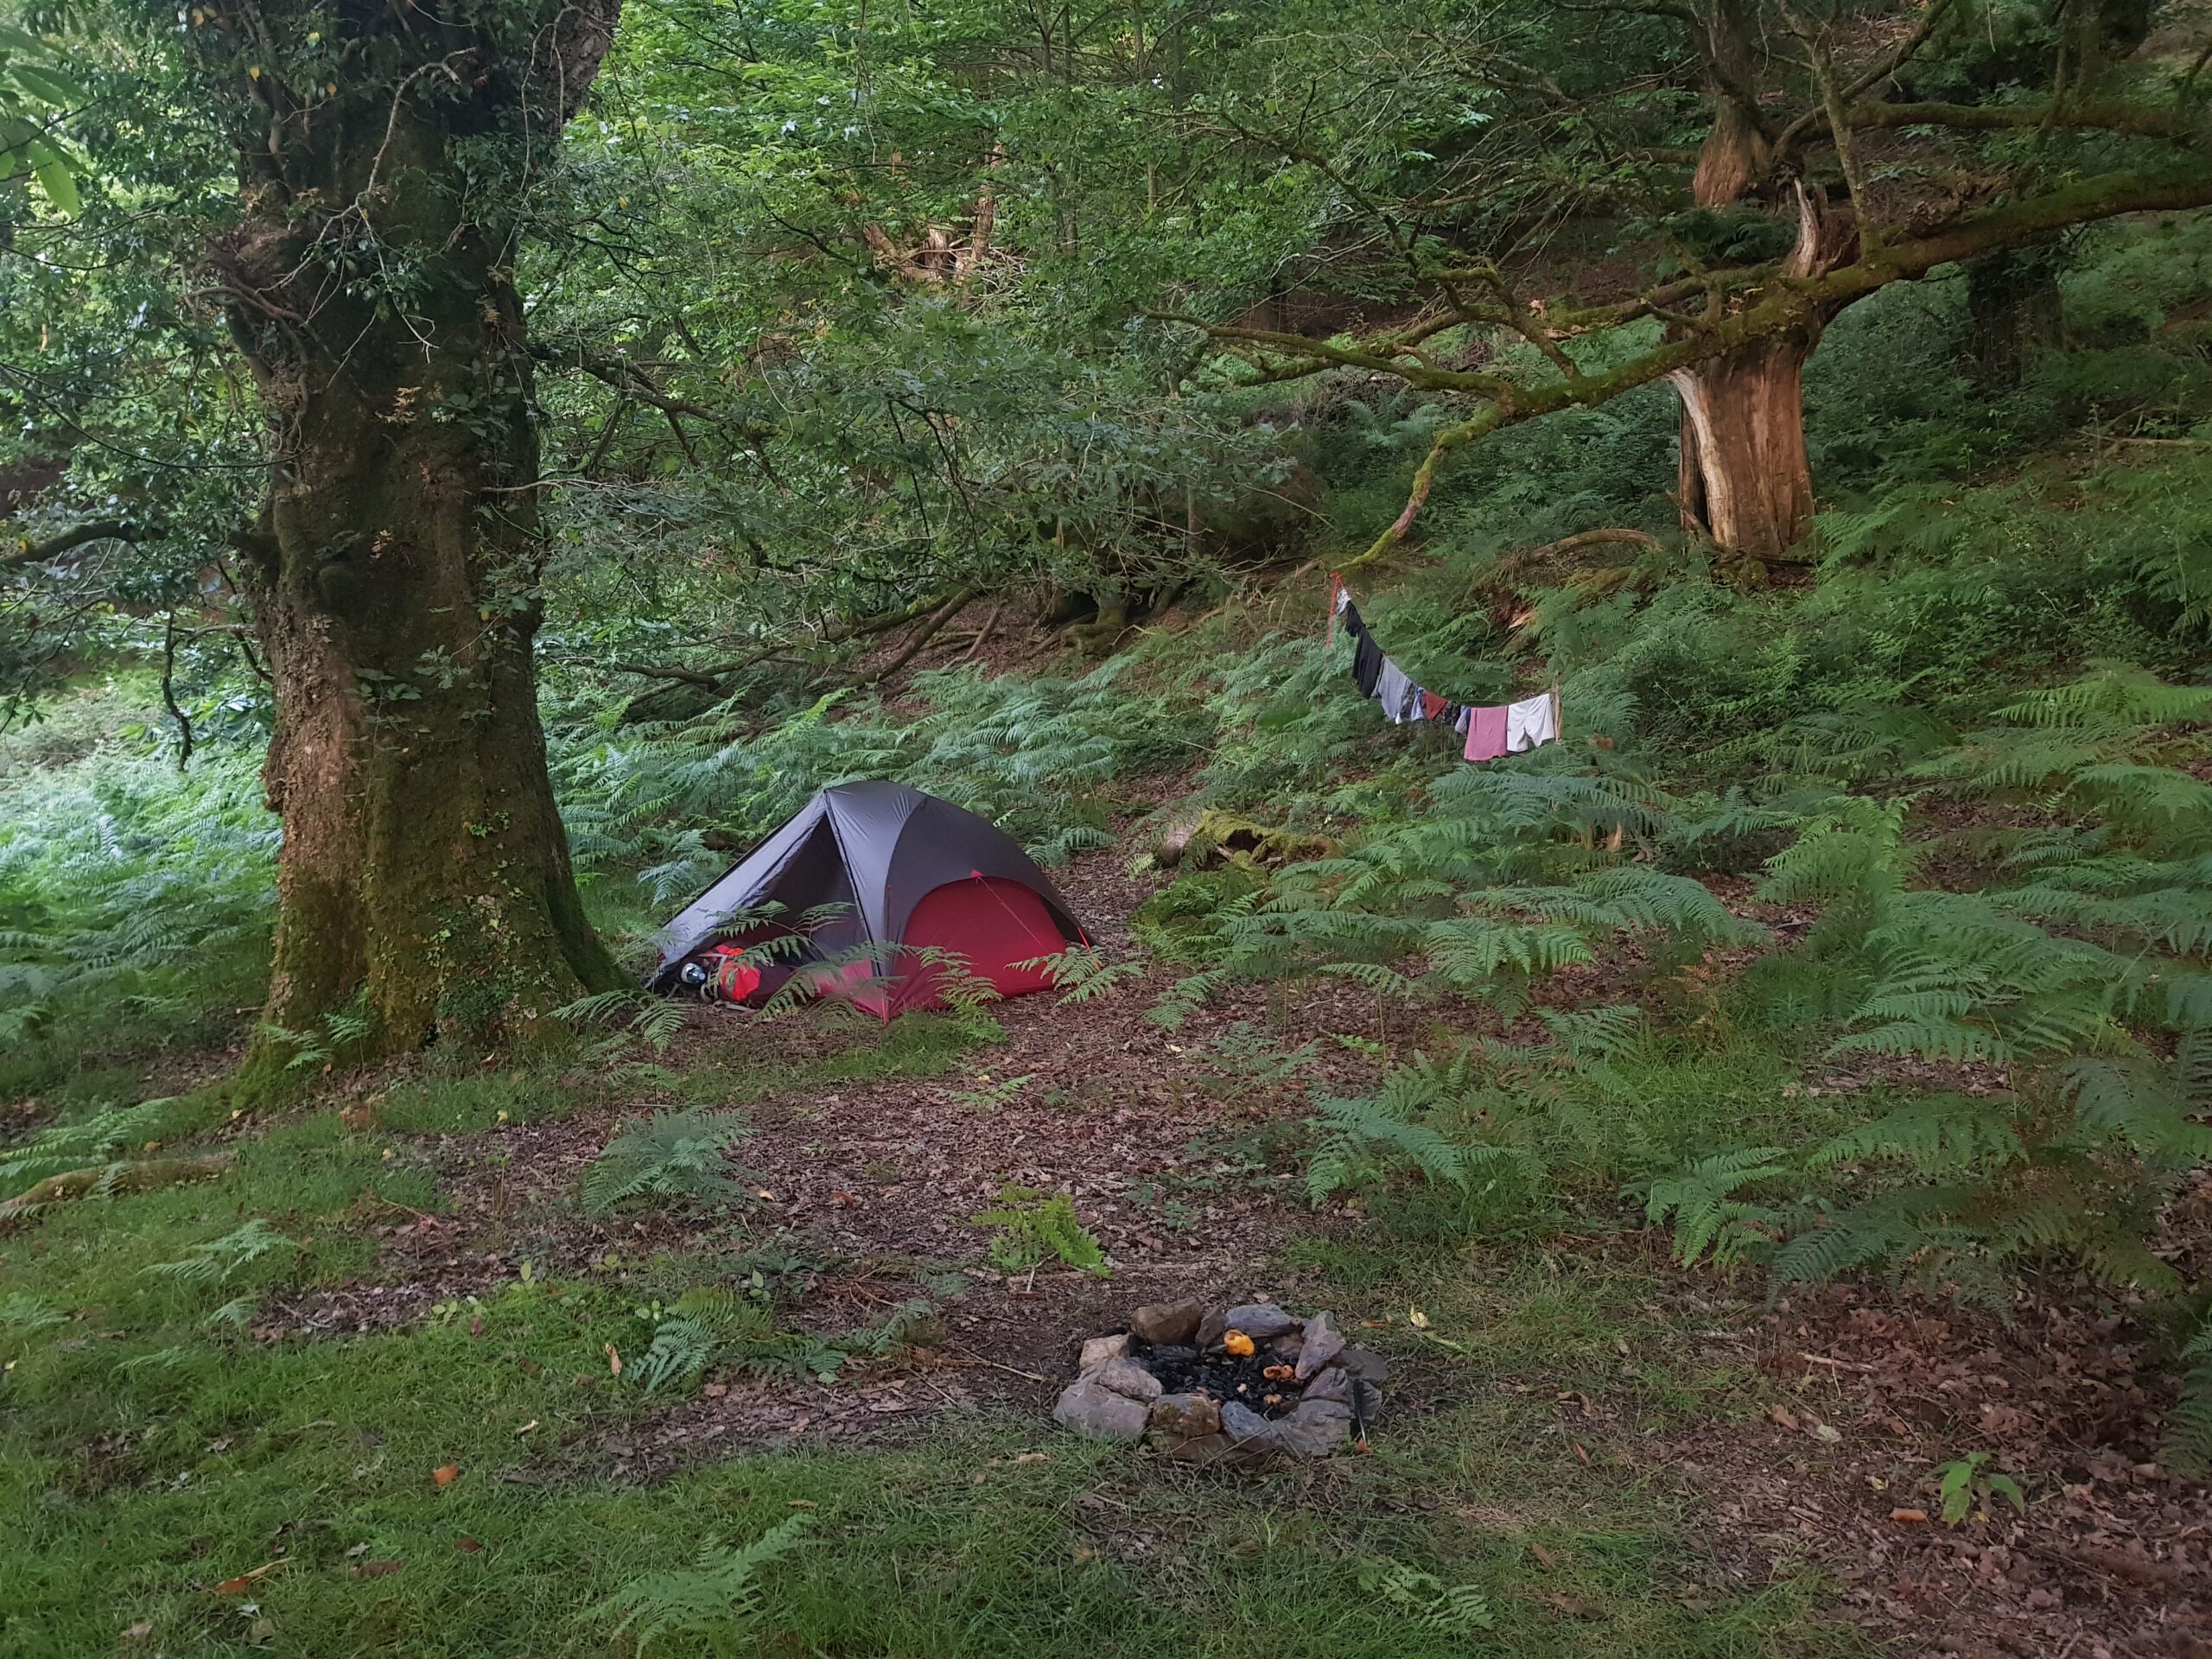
(383, 156)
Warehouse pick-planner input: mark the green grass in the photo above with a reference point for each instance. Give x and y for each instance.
(733, 1070)
(472, 1101)
(148, 1457)
(138, 1479)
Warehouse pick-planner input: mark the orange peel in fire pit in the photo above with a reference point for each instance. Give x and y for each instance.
(1237, 1343)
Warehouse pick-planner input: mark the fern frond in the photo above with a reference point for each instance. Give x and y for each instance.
(717, 1598)
(2189, 1424)
(678, 1156)
(1707, 1214)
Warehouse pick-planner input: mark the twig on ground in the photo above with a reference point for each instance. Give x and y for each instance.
(1012, 1370)
(1839, 1365)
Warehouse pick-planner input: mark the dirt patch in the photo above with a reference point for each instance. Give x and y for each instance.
(1179, 1166)
(1872, 1395)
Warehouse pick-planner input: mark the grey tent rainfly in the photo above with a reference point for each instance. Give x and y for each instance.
(883, 883)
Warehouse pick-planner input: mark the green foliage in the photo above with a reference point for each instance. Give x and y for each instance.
(1488, 1135)
(37, 88)
(219, 1261)
(678, 1157)
(989, 1096)
(21, 1312)
(1082, 973)
(1423, 1598)
(2058, 969)
(2188, 1425)
(1193, 907)
(1708, 1216)
(712, 1606)
(715, 1324)
(633, 1015)
(129, 899)
(1370, 1140)
(334, 1038)
(96, 1139)
(1965, 1482)
(1029, 1227)
(1506, 882)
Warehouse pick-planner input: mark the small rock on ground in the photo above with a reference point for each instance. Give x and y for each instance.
(1324, 1342)
(1258, 1320)
(1172, 1325)
(1099, 1349)
(1127, 1378)
(1090, 1409)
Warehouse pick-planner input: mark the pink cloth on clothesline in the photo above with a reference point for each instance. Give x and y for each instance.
(1486, 734)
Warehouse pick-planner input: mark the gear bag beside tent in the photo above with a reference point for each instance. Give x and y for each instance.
(901, 876)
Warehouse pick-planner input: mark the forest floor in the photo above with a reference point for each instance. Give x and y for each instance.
(419, 1442)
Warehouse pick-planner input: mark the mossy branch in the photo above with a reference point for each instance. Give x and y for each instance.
(1792, 304)
(27, 551)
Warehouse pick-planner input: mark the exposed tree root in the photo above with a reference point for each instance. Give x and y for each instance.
(1097, 637)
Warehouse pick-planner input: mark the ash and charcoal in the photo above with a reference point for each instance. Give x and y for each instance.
(1248, 1385)
(1224, 1375)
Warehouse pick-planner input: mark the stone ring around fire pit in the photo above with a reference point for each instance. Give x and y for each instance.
(1247, 1386)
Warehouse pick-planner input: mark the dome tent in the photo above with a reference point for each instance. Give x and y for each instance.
(896, 868)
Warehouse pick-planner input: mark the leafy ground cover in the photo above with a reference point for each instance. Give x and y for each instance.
(1591, 1450)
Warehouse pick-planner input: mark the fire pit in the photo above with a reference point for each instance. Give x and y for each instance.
(1249, 1385)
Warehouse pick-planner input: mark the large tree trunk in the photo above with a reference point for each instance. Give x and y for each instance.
(1745, 482)
(425, 872)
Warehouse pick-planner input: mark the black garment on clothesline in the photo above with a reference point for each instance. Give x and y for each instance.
(1367, 656)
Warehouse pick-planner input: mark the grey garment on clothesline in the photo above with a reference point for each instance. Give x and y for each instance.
(1393, 690)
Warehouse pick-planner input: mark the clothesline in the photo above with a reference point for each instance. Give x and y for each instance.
(1491, 730)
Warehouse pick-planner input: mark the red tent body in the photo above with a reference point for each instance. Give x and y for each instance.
(901, 884)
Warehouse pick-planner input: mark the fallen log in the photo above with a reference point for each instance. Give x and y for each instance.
(113, 1180)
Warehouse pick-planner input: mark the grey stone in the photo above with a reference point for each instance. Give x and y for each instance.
(1315, 1429)
(1334, 1382)
(1287, 1349)
(1183, 1417)
(1127, 1378)
(1099, 1349)
(1171, 1325)
(1367, 1365)
(1245, 1426)
(1324, 1342)
(1258, 1320)
(1089, 1409)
